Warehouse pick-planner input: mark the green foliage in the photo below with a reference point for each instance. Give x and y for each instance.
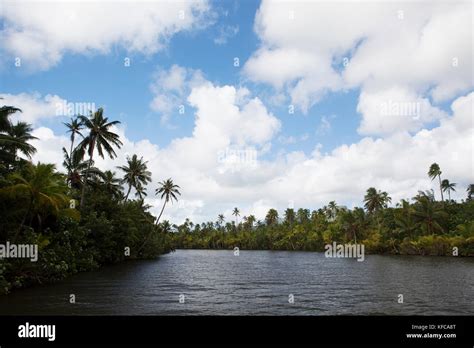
(424, 227)
(35, 201)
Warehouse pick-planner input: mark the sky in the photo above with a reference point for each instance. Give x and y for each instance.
(253, 104)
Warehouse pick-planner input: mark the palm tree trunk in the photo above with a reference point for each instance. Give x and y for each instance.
(128, 192)
(84, 184)
(159, 216)
(72, 145)
(440, 188)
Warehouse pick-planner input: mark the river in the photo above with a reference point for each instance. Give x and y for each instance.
(216, 282)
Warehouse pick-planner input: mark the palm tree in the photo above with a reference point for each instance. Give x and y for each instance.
(428, 216)
(470, 192)
(168, 191)
(5, 112)
(251, 221)
(20, 135)
(289, 216)
(406, 225)
(100, 138)
(111, 183)
(236, 213)
(74, 127)
(14, 138)
(448, 187)
(140, 191)
(375, 200)
(331, 210)
(76, 168)
(434, 172)
(44, 187)
(220, 219)
(136, 174)
(272, 217)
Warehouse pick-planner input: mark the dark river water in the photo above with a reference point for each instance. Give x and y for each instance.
(259, 283)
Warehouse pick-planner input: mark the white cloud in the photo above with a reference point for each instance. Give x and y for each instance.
(170, 88)
(417, 50)
(34, 107)
(41, 32)
(225, 33)
(226, 116)
(393, 110)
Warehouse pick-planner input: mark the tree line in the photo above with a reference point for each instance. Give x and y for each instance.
(424, 226)
(80, 216)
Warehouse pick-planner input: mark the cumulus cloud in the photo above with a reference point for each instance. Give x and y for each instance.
(418, 52)
(42, 32)
(34, 107)
(227, 117)
(170, 89)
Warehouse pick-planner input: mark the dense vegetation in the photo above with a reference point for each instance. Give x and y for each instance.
(82, 217)
(423, 227)
(40, 204)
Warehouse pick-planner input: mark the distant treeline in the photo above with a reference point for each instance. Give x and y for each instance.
(423, 227)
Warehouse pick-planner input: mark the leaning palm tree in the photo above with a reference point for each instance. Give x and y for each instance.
(447, 186)
(434, 172)
(168, 191)
(136, 174)
(100, 138)
(236, 213)
(74, 127)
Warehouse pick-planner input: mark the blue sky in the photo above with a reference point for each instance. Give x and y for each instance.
(337, 143)
(125, 93)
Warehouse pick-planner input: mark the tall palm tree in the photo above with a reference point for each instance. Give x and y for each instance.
(434, 172)
(447, 186)
(44, 187)
(100, 138)
(375, 200)
(136, 174)
(220, 219)
(74, 127)
(236, 213)
(168, 191)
